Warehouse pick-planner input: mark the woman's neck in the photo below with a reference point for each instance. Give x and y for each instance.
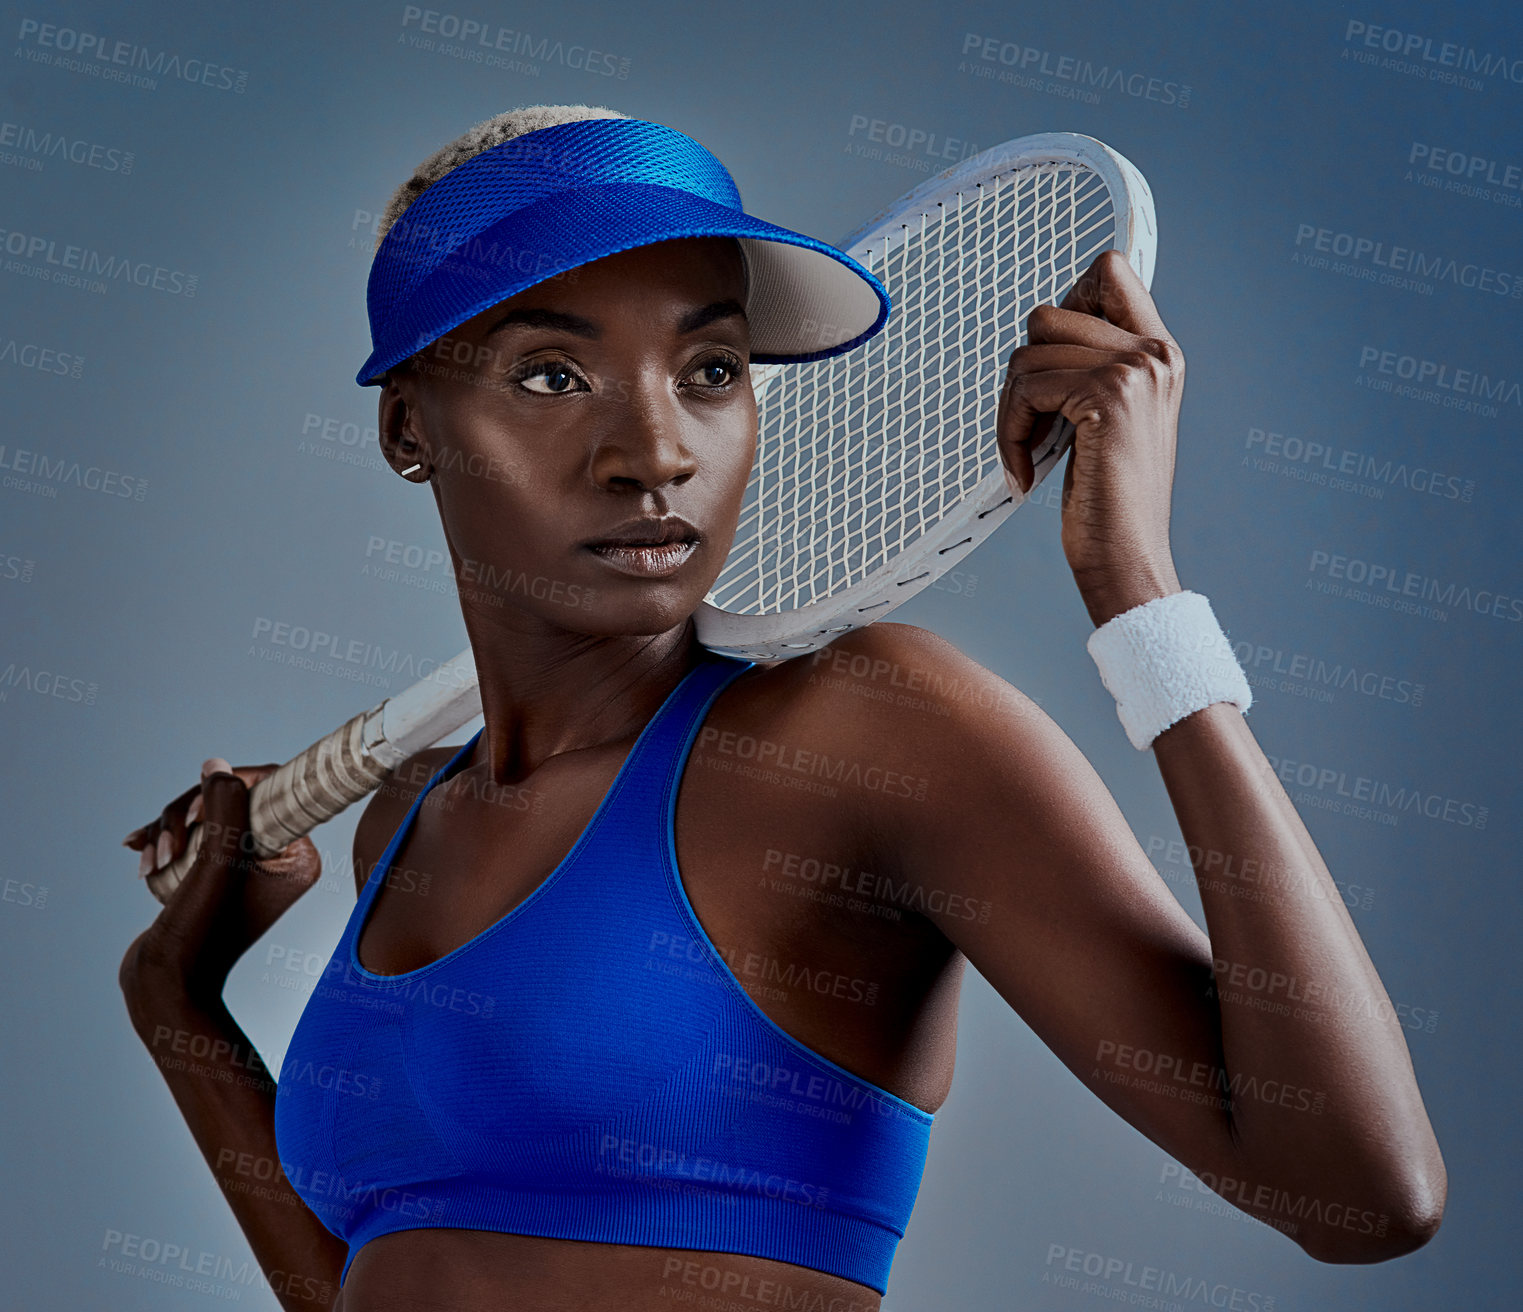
(546, 692)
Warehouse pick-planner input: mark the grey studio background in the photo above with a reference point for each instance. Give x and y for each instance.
(186, 463)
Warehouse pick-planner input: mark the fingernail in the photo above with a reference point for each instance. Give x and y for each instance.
(145, 861)
(215, 765)
(166, 847)
(193, 811)
(134, 835)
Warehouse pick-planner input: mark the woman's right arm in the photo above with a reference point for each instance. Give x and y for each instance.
(227, 1098)
(172, 978)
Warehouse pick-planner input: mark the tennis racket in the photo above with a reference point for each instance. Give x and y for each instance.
(877, 470)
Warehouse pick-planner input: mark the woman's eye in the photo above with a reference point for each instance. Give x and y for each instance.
(557, 379)
(553, 379)
(708, 368)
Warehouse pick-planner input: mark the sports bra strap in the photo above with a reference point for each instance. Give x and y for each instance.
(641, 799)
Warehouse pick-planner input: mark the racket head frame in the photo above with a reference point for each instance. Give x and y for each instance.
(784, 635)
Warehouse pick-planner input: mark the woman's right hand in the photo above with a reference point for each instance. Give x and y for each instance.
(228, 898)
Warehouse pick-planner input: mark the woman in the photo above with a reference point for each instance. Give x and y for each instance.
(545, 1067)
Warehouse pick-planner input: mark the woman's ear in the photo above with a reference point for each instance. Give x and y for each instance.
(402, 444)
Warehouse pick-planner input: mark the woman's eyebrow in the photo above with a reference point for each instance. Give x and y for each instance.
(541, 318)
(580, 327)
(692, 322)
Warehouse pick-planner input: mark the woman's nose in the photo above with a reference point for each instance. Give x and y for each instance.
(645, 440)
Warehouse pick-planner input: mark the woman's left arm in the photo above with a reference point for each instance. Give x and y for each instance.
(1300, 1001)
(1269, 1059)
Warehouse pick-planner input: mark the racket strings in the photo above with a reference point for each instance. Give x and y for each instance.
(860, 455)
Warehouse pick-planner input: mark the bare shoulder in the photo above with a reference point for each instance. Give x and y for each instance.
(899, 683)
(388, 806)
(911, 668)
(887, 710)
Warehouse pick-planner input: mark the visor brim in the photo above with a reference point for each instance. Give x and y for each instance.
(806, 300)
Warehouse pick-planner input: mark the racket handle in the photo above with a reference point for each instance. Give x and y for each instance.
(344, 766)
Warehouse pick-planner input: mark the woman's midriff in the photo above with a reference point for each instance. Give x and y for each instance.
(482, 1271)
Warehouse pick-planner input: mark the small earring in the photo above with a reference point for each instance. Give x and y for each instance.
(409, 445)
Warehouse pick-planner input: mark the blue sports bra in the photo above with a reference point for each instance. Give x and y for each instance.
(589, 1068)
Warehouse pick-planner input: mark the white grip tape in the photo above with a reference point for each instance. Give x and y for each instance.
(308, 789)
(313, 787)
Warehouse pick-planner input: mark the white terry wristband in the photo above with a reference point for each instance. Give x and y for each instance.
(1165, 659)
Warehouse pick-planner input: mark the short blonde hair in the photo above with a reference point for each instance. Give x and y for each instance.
(486, 134)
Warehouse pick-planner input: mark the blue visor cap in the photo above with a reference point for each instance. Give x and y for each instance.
(547, 201)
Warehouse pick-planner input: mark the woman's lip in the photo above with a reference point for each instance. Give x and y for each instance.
(645, 562)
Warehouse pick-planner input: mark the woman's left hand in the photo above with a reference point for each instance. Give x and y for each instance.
(1108, 364)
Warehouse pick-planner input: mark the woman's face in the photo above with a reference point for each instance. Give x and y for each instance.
(617, 392)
